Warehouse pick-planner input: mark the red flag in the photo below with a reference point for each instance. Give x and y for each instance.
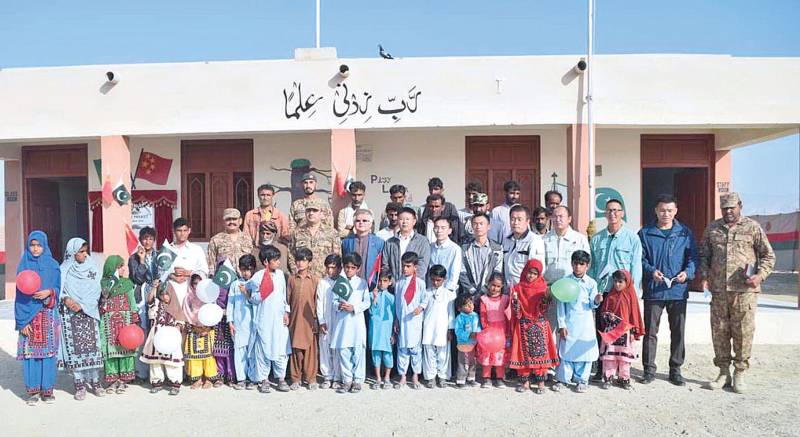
(153, 168)
(108, 192)
(376, 268)
(410, 290)
(267, 286)
(611, 336)
(131, 239)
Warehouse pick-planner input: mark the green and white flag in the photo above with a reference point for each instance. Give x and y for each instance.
(164, 260)
(225, 274)
(121, 193)
(342, 288)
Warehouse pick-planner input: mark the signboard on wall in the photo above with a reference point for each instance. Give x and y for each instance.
(142, 214)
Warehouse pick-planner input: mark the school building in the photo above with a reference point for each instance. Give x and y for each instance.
(202, 136)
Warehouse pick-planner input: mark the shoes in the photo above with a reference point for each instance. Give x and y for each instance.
(313, 386)
(485, 384)
(677, 379)
(239, 386)
(441, 383)
(498, 383)
(429, 383)
(738, 382)
(32, 400)
(344, 388)
(557, 387)
(626, 384)
(647, 378)
(581, 388)
(283, 386)
(606, 384)
(174, 390)
(48, 399)
(97, 389)
(294, 386)
(325, 385)
(155, 389)
(721, 381)
(386, 384)
(264, 387)
(375, 385)
(80, 394)
(472, 383)
(598, 377)
(355, 388)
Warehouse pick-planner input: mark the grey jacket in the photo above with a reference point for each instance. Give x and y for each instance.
(391, 255)
(469, 281)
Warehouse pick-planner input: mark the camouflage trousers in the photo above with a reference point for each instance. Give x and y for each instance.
(733, 322)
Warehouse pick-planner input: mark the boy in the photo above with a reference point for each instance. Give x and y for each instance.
(577, 347)
(437, 325)
(328, 360)
(409, 305)
(381, 322)
(269, 346)
(467, 325)
(350, 333)
(240, 317)
(302, 296)
(164, 311)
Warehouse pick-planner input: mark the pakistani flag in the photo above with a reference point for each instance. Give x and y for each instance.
(225, 275)
(121, 193)
(166, 256)
(342, 288)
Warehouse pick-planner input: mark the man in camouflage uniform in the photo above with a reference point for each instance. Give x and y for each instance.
(315, 235)
(231, 243)
(735, 257)
(297, 211)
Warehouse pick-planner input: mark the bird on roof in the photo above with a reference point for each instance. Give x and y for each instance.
(383, 53)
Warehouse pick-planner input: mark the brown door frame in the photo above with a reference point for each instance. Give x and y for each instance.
(504, 139)
(708, 163)
(26, 152)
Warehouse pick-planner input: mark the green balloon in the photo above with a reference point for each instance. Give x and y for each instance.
(565, 290)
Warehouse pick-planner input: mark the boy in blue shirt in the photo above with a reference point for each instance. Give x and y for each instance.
(240, 317)
(381, 322)
(467, 325)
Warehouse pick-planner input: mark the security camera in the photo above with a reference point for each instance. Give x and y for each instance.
(344, 71)
(111, 77)
(580, 67)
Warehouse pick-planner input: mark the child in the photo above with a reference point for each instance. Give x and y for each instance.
(350, 333)
(578, 345)
(223, 344)
(240, 317)
(467, 325)
(35, 319)
(117, 310)
(269, 346)
(302, 295)
(381, 321)
(437, 324)
(328, 359)
(201, 367)
(620, 320)
(532, 348)
(409, 305)
(493, 315)
(164, 311)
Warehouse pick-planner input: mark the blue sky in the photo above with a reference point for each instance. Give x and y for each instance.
(76, 32)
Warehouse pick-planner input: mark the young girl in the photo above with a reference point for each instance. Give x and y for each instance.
(117, 310)
(164, 311)
(35, 319)
(80, 318)
(200, 363)
(532, 347)
(492, 315)
(381, 322)
(467, 325)
(223, 344)
(620, 320)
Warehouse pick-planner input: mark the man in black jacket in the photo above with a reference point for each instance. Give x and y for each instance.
(437, 207)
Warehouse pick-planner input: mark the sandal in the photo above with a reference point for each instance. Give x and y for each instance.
(416, 385)
(32, 400)
(208, 384)
(197, 384)
(523, 387)
(218, 383)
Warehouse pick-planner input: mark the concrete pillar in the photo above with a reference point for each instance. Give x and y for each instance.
(116, 165)
(723, 170)
(15, 233)
(578, 175)
(343, 164)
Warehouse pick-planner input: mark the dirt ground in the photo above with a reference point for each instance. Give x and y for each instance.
(769, 408)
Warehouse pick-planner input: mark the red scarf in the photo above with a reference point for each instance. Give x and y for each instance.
(267, 286)
(531, 294)
(410, 290)
(624, 304)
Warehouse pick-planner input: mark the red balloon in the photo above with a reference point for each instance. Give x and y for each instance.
(28, 282)
(491, 340)
(130, 336)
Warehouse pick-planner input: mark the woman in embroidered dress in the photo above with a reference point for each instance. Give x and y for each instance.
(117, 309)
(35, 319)
(80, 318)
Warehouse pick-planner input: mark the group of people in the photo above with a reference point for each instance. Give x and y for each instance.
(317, 302)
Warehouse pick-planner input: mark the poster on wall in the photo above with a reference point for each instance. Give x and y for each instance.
(142, 214)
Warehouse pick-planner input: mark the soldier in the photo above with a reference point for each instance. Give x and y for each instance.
(296, 213)
(232, 243)
(321, 239)
(735, 257)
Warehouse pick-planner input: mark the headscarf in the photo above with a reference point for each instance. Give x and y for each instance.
(192, 305)
(531, 294)
(625, 305)
(174, 307)
(112, 284)
(25, 306)
(81, 281)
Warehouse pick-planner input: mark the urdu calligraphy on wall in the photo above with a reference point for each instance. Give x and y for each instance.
(346, 104)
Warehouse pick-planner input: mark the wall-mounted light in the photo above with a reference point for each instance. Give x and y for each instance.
(344, 71)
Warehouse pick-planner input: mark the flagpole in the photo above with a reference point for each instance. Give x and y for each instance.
(589, 119)
(136, 172)
(318, 23)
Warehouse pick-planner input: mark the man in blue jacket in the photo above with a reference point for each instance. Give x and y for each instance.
(669, 259)
(368, 245)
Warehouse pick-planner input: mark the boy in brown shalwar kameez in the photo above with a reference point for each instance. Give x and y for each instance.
(302, 299)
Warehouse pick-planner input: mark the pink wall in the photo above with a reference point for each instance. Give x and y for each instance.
(13, 222)
(578, 175)
(723, 168)
(116, 164)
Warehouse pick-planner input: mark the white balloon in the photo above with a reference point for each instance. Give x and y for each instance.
(167, 340)
(210, 314)
(207, 291)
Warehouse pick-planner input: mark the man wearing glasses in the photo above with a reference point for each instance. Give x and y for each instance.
(366, 244)
(613, 248)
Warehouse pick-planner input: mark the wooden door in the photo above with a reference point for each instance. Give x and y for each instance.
(44, 212)
(493, 160)
(692, 196)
